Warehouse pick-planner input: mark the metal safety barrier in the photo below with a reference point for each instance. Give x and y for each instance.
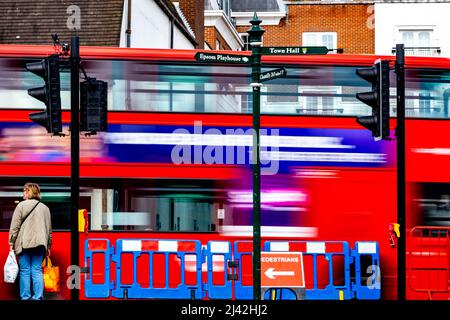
(367, 283)
(218, 258)
(428, 261)
(173, 269)
(184, 269)
(97, 254)
(168, 279)
(326, 264)
(243, 255)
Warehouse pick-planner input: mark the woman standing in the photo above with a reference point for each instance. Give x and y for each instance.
(30, 236)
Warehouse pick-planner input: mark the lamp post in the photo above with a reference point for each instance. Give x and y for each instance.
(255, 37)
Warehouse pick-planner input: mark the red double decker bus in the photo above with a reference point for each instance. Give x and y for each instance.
(175, 162)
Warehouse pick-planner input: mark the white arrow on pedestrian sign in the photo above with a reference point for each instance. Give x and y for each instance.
(271, 273)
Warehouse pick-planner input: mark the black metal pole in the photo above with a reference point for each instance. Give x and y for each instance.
(401, 171)
(256, 68)
(255, 34)
(75, 154)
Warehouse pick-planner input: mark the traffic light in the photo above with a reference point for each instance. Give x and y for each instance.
(377, 99)
(94, 105)
(47, 69)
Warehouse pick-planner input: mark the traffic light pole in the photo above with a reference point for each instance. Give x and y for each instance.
(401, 171)
(255, 34)
(75, 155)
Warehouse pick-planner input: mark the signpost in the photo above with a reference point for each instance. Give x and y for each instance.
(272, 74)
(293, 50)
(219, 57)
(255, 36)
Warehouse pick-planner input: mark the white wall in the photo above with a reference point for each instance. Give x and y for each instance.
(388, 16)
(180, 41)
(218, 20)
(150, 27)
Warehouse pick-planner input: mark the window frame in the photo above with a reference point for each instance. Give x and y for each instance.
(320, 42)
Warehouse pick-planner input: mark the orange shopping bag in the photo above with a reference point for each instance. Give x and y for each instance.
(51, 276)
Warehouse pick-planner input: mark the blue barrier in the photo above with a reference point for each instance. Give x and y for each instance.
(328, 250)
(97, 247)
(280, 294)
(152, 247)
(242, 291)
(221, 250)
(229, 272)
(367, 260)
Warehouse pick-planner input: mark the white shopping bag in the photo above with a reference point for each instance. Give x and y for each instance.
(11, 268)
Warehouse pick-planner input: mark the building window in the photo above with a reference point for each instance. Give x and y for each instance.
(311, 104)
(416, 38)
(217, 44)
(280, 93)
(225, 6)
(327, 39)
(246, 41)
(419, 41)
(320, 101)
(421, 104)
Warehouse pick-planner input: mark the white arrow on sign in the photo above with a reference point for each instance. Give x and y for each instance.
(271, 273)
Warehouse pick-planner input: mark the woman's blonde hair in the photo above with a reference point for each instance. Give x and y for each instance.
(33, 188)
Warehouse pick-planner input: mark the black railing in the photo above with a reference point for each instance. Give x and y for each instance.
(421, 51)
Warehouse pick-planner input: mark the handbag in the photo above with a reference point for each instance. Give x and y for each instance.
(11, 268)
(51, 276)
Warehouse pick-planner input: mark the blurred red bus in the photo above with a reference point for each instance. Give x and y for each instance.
(176, 160)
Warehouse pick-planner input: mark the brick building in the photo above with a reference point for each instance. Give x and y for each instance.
(201, 24)
(220, 27)
(124, 23)
(346, 25)
(193, 11)
(356, 26)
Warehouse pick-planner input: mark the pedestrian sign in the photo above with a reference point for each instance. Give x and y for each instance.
(282, 270)
(293, 50)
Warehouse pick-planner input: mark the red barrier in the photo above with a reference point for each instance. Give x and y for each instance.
(429, 261)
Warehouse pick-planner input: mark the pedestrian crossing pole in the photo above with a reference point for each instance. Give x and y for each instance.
(401, 171)
(255, 38)
(74, 154)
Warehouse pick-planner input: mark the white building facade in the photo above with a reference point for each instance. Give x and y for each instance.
(151, 27)
(423, 27)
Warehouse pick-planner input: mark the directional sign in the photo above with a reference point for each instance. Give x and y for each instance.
(272, 74)
(282, 270)
(293, 50)
(218, 57)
